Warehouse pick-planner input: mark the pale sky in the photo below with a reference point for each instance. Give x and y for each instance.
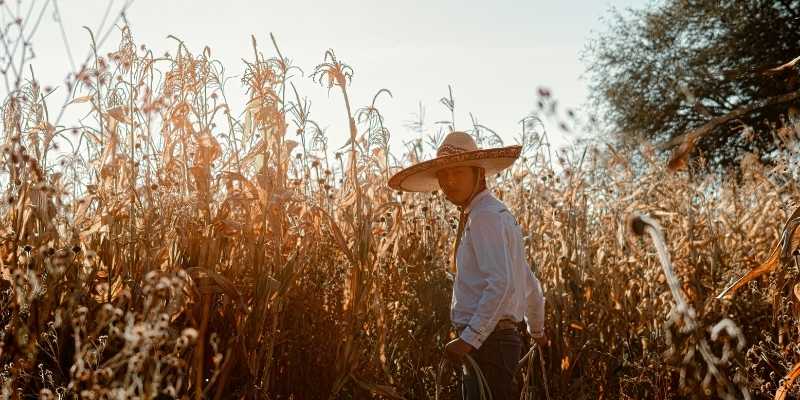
(494, 54)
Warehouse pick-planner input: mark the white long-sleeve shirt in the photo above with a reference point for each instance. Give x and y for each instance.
(493, 279)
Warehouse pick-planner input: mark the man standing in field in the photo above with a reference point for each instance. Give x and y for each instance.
(494, 288)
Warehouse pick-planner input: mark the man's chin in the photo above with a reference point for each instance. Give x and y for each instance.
(454, 200)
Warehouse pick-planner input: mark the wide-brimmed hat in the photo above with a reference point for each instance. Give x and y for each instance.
(458, 149)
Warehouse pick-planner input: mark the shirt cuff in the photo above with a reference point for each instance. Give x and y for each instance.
(535, 333)
(472, 337)
(535, 326)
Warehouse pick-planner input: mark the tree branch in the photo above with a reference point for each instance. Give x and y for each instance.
(709, 126)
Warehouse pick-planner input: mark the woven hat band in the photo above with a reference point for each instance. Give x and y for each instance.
(448, 149)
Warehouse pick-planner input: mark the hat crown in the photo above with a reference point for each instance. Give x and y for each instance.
(456, 143)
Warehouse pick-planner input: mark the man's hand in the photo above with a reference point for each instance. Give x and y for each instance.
(541, 341)
(456, 349)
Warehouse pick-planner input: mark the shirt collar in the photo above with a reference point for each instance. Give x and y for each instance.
(483, 193)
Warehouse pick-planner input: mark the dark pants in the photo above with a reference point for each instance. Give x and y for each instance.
(497, 358)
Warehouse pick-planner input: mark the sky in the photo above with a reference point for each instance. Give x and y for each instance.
(494, 54)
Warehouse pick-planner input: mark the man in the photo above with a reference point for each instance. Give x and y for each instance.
(494, 288)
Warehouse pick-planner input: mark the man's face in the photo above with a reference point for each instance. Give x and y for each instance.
(456, 183)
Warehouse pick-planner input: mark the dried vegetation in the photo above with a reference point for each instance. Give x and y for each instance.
(172, 247)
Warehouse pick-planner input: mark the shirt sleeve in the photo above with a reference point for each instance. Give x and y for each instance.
(490, 244)
(534, 314)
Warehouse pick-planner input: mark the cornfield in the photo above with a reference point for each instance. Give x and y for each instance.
(171, 247)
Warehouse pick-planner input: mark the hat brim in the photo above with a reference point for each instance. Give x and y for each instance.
(422, 177)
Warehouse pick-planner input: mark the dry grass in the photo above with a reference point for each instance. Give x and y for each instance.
(172, 247)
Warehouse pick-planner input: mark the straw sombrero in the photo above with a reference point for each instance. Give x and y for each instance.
(458, 149)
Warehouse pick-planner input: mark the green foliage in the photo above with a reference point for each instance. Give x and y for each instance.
(660, 71)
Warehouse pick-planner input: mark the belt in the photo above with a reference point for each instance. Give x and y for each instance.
(506, 324)
(503, 324)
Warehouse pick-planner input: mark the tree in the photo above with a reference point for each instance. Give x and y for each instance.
(702, 65)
